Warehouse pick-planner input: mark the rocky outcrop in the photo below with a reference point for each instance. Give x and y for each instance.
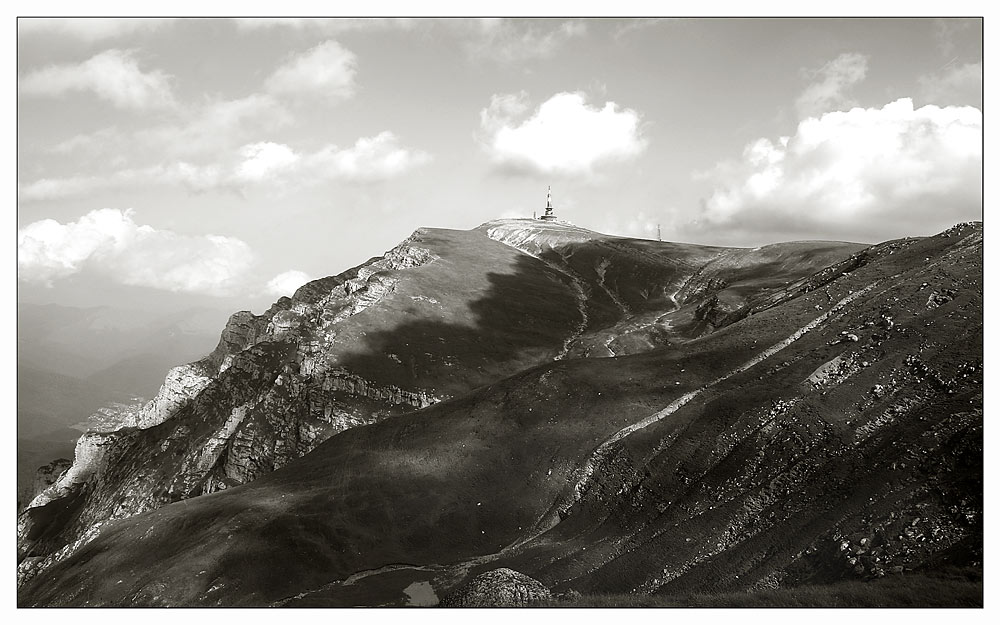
(47, 475)
(181, 385)
(499, 588)
(344, 381)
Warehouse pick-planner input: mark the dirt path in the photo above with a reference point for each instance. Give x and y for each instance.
(585, 473)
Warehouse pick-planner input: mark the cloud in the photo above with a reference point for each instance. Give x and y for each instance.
(956, 84)
(564, 136)
(205, 128)
(511, 41)
(864, 174)
(113, 75)
(286, 283)
(827, 93)
(109, 242)
(196, 178)
(92, 143)
(216, 125)
(263, 160)
(370, 159)
(332, 25)
(263, 166)
(89, 29)
(947, 30)
(327, 70)
(629, 28)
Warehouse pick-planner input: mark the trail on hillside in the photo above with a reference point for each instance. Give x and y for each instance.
(601, 271)
(551, 517)
(579, 292)
(673, 296)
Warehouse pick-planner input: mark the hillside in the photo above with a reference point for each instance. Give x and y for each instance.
(760, 409)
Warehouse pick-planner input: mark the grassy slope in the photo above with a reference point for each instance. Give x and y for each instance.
(722, 462)
(952, 589)
(478, 312)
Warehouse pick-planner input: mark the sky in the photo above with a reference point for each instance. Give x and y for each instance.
(224, 162)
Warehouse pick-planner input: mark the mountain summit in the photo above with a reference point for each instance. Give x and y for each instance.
(599, 413)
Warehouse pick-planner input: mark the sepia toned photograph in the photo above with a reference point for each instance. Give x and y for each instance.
(488, 312)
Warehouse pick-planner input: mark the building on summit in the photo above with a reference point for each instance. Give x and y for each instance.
(549, 215)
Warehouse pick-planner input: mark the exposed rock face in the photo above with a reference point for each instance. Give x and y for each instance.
(499, 588)
(182, 384)
(47, 475)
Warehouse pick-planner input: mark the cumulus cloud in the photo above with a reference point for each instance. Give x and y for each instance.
(267, 166)
(286, 283)
(864, 174)
(828, 91)
(264, 159)
(113, 75)
(956, 84)
(109, 242)
(564, 136)
(89, 29)
(327, 71)
(511, 41)
(370, 159)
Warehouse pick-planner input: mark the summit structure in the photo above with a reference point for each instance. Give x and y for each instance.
(549, 215)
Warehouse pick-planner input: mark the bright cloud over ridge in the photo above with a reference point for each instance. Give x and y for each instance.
(287, 282)
(564, 135)
(859, 173)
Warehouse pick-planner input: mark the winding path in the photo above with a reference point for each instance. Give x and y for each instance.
(550, 518)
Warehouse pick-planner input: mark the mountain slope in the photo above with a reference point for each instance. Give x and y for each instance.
(835, 432)
(443, 313)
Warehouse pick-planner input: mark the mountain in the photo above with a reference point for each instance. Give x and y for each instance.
(601, 414)
(74, 363)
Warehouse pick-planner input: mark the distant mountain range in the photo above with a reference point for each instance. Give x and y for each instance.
(73, 362)
(602, 414)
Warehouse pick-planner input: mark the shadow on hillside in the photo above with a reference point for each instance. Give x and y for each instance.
(522, 321)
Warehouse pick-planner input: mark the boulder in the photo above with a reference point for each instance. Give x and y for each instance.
(499, 588)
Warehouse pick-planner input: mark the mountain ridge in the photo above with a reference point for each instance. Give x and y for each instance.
(585, 287)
